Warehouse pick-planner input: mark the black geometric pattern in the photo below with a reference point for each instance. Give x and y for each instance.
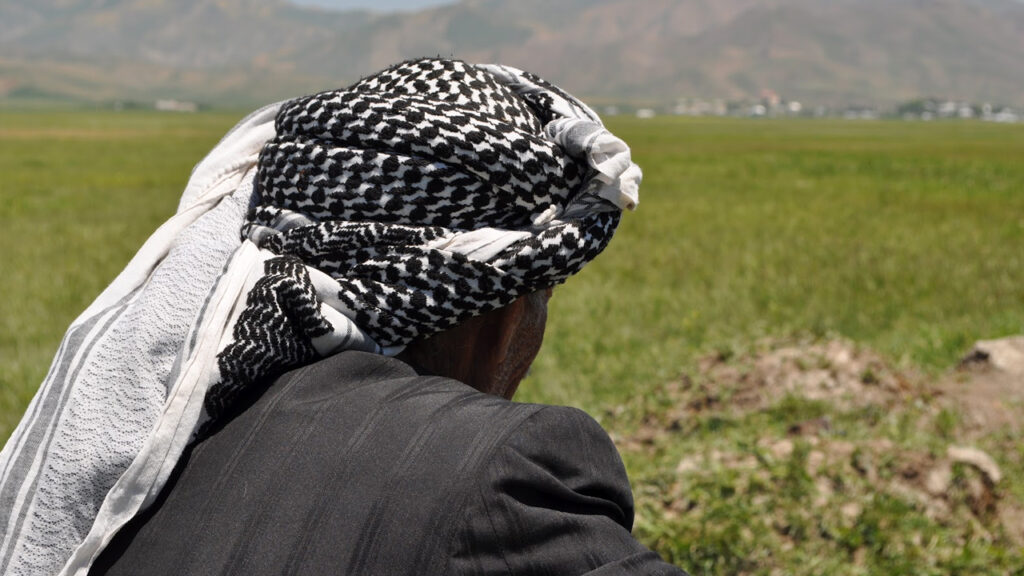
(377, 171)
(272, 334)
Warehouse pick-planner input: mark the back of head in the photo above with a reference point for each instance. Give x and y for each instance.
(429, 193)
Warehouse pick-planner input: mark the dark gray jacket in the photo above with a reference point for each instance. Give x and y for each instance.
(357, 465)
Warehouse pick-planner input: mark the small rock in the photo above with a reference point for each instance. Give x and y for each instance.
(1006, 355)
(939, 479)
(782, 449)
(839, 355)
(980, 460)
(851, 510)
(688, 464)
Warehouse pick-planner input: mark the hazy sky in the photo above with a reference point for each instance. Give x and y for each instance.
(375, 5)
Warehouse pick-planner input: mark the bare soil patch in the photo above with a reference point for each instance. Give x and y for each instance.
(939, 471)
(836, 371)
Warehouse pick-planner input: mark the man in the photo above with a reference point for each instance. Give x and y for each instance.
(398, 243)
(360, 465)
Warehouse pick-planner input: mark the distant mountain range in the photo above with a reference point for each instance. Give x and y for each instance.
(831, 52)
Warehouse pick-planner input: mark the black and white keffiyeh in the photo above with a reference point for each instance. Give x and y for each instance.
(361, 218)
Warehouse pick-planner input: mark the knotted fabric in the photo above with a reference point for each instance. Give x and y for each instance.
(362, 218)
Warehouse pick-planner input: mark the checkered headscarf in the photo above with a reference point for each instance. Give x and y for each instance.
(418, 197)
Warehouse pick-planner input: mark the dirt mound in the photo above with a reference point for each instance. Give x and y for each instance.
(920, 447)
(836, 371)
(986, 390)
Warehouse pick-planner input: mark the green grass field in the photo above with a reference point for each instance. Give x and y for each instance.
(905, 238)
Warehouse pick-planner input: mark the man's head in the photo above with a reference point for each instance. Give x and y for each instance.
(422, 207)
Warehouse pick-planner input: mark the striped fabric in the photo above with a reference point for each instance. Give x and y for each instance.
(110, 380)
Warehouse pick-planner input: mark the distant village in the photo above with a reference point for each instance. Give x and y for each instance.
(771, 105)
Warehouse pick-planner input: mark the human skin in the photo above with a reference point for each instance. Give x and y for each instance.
(491, 352)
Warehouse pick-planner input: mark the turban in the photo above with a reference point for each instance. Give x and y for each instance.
(361, 218)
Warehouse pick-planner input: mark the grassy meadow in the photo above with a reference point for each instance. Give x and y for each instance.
(906, 239)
